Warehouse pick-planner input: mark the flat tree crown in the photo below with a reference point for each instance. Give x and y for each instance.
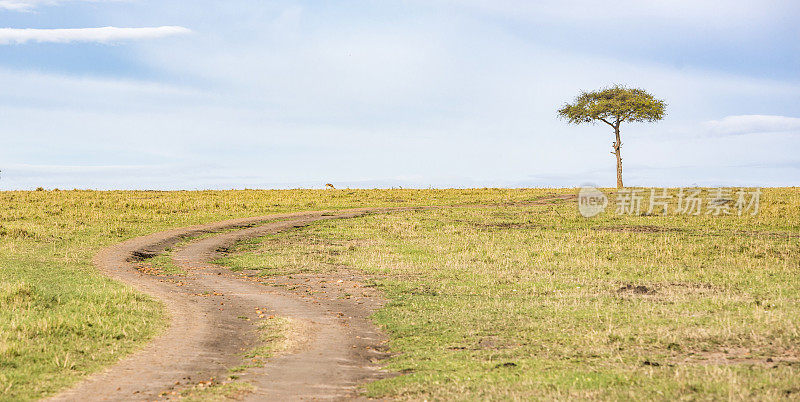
(613, 106)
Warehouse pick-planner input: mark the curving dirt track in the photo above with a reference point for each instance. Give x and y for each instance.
(214, 317)
(338, 349)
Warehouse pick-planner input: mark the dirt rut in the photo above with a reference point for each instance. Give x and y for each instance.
(214, 320)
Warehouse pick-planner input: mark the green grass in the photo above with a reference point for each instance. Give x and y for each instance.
(60, 319)
(161, 264)
(278, 335)
(540, 303)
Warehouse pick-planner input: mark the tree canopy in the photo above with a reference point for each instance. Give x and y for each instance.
(613, 106)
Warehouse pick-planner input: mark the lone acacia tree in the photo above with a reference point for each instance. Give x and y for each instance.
(614, 106)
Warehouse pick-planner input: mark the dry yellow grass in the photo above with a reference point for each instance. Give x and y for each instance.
(538, 302)
(60, 319)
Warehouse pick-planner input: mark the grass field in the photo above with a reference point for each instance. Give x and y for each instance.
(521, 302)
(60, 319)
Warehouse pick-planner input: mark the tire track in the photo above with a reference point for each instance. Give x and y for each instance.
(207, 337)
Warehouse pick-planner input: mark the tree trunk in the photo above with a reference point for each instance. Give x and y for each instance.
(617, 145)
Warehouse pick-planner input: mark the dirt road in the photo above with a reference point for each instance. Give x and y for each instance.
(214, 320)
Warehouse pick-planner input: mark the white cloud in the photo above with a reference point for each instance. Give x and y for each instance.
(752, 123)
(102, 35)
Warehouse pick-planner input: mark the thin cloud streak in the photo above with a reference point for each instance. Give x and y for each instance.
(10, 36)
(752, 123)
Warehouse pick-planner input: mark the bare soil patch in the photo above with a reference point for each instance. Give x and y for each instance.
(636, 289)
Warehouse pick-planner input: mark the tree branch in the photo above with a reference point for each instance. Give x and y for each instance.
(605, 121)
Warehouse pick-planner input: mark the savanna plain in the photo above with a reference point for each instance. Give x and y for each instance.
(501, 294)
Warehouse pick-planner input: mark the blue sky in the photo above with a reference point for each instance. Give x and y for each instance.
(437, 93)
